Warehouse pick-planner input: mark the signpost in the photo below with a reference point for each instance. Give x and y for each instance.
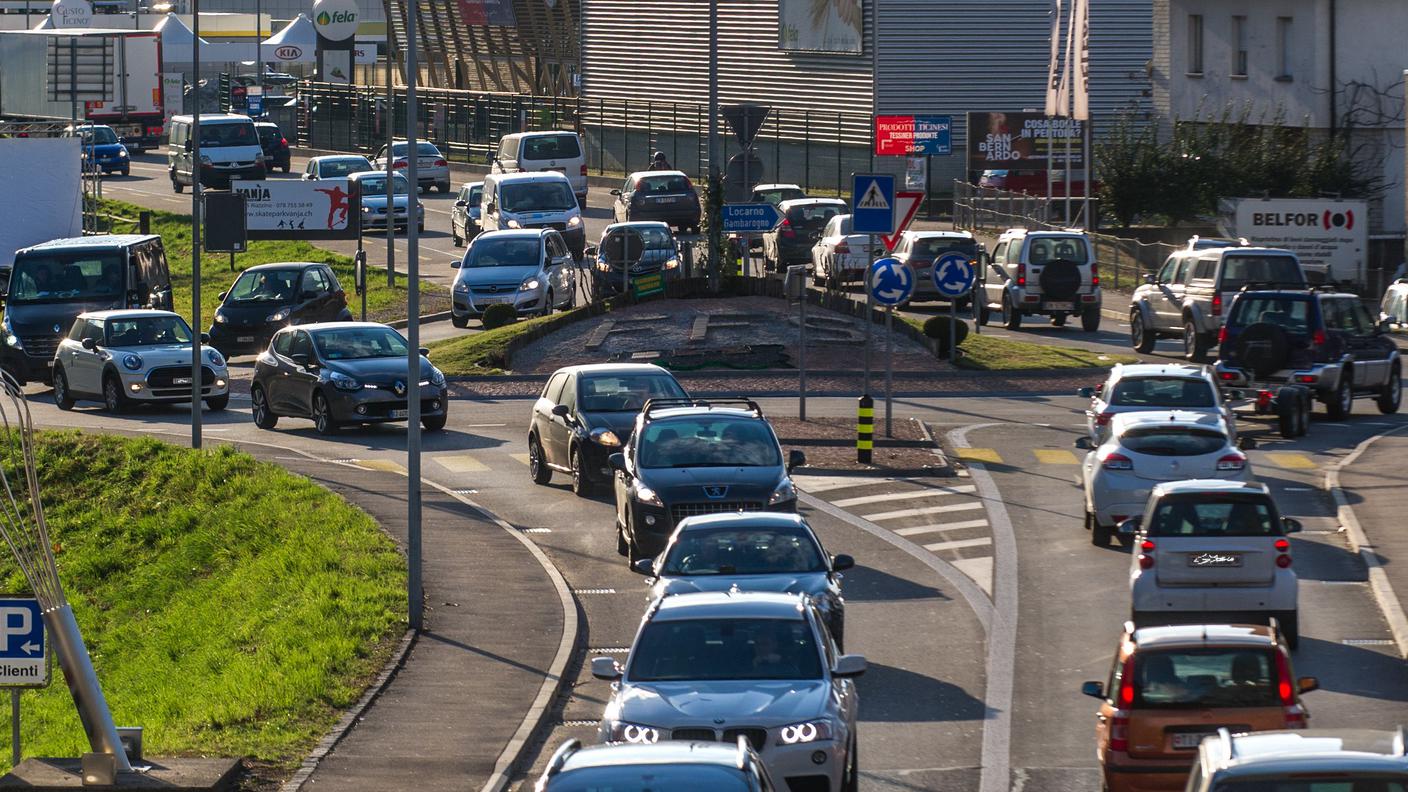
(953, 276)
(906, 207)
(872, 212)
(745, 120)
(24, 657)
(890, 283)
(749, 219)
(224, 219)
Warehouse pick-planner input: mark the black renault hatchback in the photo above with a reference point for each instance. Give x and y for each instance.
(270, 296)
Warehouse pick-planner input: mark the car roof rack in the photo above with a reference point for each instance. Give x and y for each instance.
(675, 402)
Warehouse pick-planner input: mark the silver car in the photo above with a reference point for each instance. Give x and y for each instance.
(754, 551)
(1153, 386)
(718, 767)
(719, 666)
(134, 356)
(432, 169)
(529, 268)
(335, 166)
(374, 214)
(1346, 760)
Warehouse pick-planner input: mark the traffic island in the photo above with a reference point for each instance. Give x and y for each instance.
(169, 775)
(830, 446)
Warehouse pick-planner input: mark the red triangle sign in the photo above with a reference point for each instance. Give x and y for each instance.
(907, 206)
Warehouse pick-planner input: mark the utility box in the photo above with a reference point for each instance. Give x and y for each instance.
(794, 285)
(225, 223)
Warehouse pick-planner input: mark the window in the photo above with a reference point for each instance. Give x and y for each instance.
(551, 147)
(705, 441)
(1198, 515)
(283, 343)
(93, 329)
(1167, 270)
(358, 343)
(1201, 678)
(1239, 46)
(1283, 48)
(508, 149)
(313, 282)
(569, 393)
(732, 648)
(58, 277)
(999, 252)
(553, 391)
(1195, 44)
(624, 392)
(264, 286)
(1044, 250)
(1289, 314)
(148, 331)
(1173, 441)
(302, 345)
(1239, 270)
(1182, 275)
(744, 551)
(1157, 392)
(1346, 315)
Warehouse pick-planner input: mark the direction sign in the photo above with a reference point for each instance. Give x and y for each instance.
(745, 120)
(24, 660)
(750, 218)
(953, 274)
(873, 203)
(890, 282)
(906, 207)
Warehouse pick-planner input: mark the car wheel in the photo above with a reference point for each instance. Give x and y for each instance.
(459, 321)
(851, 781)
(455, 237)
(537, 466)
(983, 313)
(1340, 402)
(1392, 394)
(1100, 535)
(114, 400)
(1139, 336)
(1090, 320)
(420, 228)
(1011, 316)
(1288, 414)
(1058, 320)
(581, 485)
(434, 423)
(322, 416)
(622, 546)
(633, 553)
(176, 185)
(1290, 628)
(1195, 346)
(264, 418)
(127, 171)
(218, 403)
(548, 303)
(1303, 413)
(62, 397)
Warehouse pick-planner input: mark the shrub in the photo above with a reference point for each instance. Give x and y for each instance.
(947, 331)
(498, 315)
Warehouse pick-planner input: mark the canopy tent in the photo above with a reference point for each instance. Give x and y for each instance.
(177, 40)
(296, 43)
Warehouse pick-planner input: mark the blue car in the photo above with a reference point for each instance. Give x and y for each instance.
(102, 151)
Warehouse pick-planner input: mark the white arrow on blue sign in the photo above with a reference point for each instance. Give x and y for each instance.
(750, 218)
(890, 282)
(953, 275)
(24, 658)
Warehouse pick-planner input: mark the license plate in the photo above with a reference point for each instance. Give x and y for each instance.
(181, 381)
(1060, 306)
(400, 413)
(666, 200)
(425, 162)
(488, 300)
(1213, 560)
(244, 339)
(1190, 741)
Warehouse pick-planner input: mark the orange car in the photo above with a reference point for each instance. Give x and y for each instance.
(1170, 687)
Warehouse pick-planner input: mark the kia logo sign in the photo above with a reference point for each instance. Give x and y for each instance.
(288, 52)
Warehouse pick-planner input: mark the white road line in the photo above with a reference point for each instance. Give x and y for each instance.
(959, 543)
(815, 484)
(920, 529)
(891, 515)
(926, 493)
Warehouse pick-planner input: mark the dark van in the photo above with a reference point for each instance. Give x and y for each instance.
(53, 282)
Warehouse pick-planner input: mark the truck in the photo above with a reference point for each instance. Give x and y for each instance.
(127, 63)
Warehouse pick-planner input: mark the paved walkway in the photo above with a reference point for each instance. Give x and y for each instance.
(1376, 487)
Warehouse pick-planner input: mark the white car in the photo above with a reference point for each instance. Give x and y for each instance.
(920, 249)
(1145, 448)
(722, 665)
(839, 255)
(1153, 386)
(128, 356)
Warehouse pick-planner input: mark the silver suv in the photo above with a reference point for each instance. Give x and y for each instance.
(1188, 296)
(1345, 760)
(1051, 273)
(719, 767)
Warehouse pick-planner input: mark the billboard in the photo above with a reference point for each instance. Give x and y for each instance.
(288, 209)
(901, 136)
(820, 26)
(1330, 237)
(1022, 141)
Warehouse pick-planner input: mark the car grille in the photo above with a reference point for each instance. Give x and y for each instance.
(40, 346)
(165, 377)
(557, 226)
(757, 737)
(813, 783)
(381, 409)
(679, 511)
(494, 288)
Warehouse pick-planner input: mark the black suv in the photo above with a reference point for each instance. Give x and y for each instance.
(1325, 342)
(696, 456)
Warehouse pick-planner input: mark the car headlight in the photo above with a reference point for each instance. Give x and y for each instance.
(122, 153)
(366, 209)
(131, 362)
(574, 221)
(278, 316)
(784, 492)
(462, 287)
(672, 264)
(216, 359)
(806, 732)
(343, 382)
(220, 318)
(204, 160)
(513, 224)
(437, 377)
(605, 437)
(647, 495)
(634, 733)
(259, 158)
(13, 340)
(529, 283)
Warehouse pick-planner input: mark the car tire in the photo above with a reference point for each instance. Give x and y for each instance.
(323, 422)
(1288, 415)
(434, 423)
(114, 400)
(1011, 316)
(633, 553)
(538, 468)
(176, 184)
(1339, 403)
(548, 304)
(264, 418)
(581, 485)
(1392, 394)
(1140, 336)
(1305, 405)
(623, 548)
(984, 314)
(850, 782)
(218, 403)
(63, 398)
(420, 228)
(1195, 346)
(455, 237)
(459, 321)
(1100, 535)
(127, 171)
(1090, 320)
(1290, 627)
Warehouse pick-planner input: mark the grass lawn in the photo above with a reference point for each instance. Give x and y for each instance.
(480, 353)
(985, 353)
(230, 607)
(384, 304)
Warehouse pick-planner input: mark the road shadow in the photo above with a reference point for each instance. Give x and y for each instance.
(1353, 670)
(895, 695)
(868, 584)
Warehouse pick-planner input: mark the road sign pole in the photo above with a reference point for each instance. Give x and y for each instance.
(14, 727)
(952, 328)
(889, 367)
(869, 303)
(802, 352)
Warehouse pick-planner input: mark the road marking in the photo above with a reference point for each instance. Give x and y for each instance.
(482, 426)
(919, 529)
(1291, 460)
(1367, 642)
(1299, 489)
(461, 463)
(1336, 425)
(959, 543)
(989, 455)
(926, 493)
(1055, 456)
(814, 484)
(383, 465)
(979, 569)
(521, 458)
(537, 530)
(890, 515)
(594, 591)
(1379, 423)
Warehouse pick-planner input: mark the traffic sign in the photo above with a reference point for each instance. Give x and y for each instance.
(745, 120)
(906, 207)
(750, 218)
(24, 659)
(873, 203)
(953, 274)
(890, 282)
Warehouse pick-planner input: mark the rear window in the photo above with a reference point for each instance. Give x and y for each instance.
(1201, 515)
(1205, 678)
(935, 247)
(1044, 250)
(1368, 783)
(776, 197)
(1173, 440)
(1239, 270)
(268, 135)
(813, 216)
(551, 147)
(1162, 392)
(662, 184)
(1288, 313)
(422, 149)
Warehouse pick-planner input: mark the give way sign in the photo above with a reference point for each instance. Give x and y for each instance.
(906, 207)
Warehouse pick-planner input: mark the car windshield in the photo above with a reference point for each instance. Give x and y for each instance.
(333, 168)
(551, 147)
(661, 185)
(624, 392)
(148, 331)
(1044, 250)
(359, 343)
(1287, 313)
(1370, 782)
(220, 135)
(59, 278)
(744, 551)
(98, 136)
(707, 441)
(274, 285)
(719, 649)
(1162, 392)
(648, 777)
(652, 237)
(376, 185)
(1241, 269)
(1173, 440)
(544, 196)
(502, 251)
(776, 197)
(813, 216)
(934, 247)
(422, 150)
(1213, 516)
(1205, 678)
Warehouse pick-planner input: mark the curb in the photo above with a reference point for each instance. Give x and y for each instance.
(1379, 584)
(401, 324)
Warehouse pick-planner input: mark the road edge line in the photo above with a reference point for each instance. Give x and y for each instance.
(1379, 585)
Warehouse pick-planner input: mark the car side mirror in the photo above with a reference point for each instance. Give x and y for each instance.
(1246, 443)
(1385, 326)
(644, 566)
(561, 411)
(423, 351)
(617, 462)
(1149, 279)
(1093, 689)
(461, 202)
(1307, 684)
(615, 192)
(842, 562)
(795, 459)
(606, 668)
(1086, 393)
(1291, 525)
(589, 252)
(205, 338)
(851, 665)
(1131, 526)
(455, 264)
(221, 296)
(89, 344)
(1083, 443)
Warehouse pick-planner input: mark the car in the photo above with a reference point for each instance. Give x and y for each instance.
(267, 297)
(1169, 688)
(1393, 308)
(103, 152)
(341, 373)
(672, 764)
(275, 145)
(666, 196)
(335, 166)
(586, 413)
(372, 185)
(125, 357)
(1048, 273)
(1146, 447)
(533, 200)
(920, 249)
(432, 169)
(839, 255)
(1197, 242)
(530, 269)
(558, 150)
(696, 456)
(1321, 340)
(776, 193)
(803, 221)
(229, 150)
(619, 258)
(1187, 297)
(752, 551)
(1139, 387)
(1310, 760)
(723, 665)
(1213, 549)
(464, 215)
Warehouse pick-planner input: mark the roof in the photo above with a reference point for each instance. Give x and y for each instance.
(266, 124)
(613, 368)
(1159, 370)
(368, 174)
(329, 157)
(637, 224)
(91, 242)
(665, 413)
(776, 186)
(277, 265)
(533, 233)
(1163, 417)
(1204, 635)
(215, 118)
(1295, 293)
(645, 173)
(789, 204)
(1195, 486)
(922, 234)
(340, 325)
(542, 132)
(730, 605)
(1060, 232)
(125, 313)
(742, 519)
(510, 178)
(1239, 250)
(663, 752)
(1308, 750)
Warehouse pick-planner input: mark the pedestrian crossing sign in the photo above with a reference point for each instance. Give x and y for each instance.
(873, 203)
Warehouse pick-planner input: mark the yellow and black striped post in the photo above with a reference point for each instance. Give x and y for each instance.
(865, 429)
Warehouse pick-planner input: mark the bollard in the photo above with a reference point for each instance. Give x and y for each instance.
(865, 429)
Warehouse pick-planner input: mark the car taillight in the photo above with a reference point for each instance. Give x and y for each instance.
(1285, 690)
(1103, 419)
(1263, 400)
(787, 229)
(842, 247)
(584, 169)
(1222, 335)
(1318, 338)
(1021, 275)
(399, 164)
(1146, 554)
(1232, 462)
(1094, 274)
(283, 142)
(1119, 719)
(1117, 461)
(1217, 304)
(440, 163)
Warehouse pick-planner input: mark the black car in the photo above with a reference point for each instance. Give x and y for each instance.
(1322, 341)
(270, 296)
(339, 373)
(666, 196)
(695, 456)
(275, 146)
(803, 221)
(585, 414)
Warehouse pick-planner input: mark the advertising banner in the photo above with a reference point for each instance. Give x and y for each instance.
(820, 26)
(1022, 141)
(1330, 237)
(287, 209)
(901, 136)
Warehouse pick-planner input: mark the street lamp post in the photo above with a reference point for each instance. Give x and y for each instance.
(715, 183)
(196, 213)
(413, 538)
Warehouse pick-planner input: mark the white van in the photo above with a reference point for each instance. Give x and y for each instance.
(229, 149)
(556, 150)
(533, 200)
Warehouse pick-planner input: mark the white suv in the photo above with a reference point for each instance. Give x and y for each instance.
(1050, 273)
(126, 356)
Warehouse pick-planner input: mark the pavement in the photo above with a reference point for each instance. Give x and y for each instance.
(1372, 490)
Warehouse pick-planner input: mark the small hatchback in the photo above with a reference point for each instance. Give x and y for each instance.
(432, 169)
(128, 357)
(666, 196)
(1170, 687)
(464, 215)
(267, 297)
